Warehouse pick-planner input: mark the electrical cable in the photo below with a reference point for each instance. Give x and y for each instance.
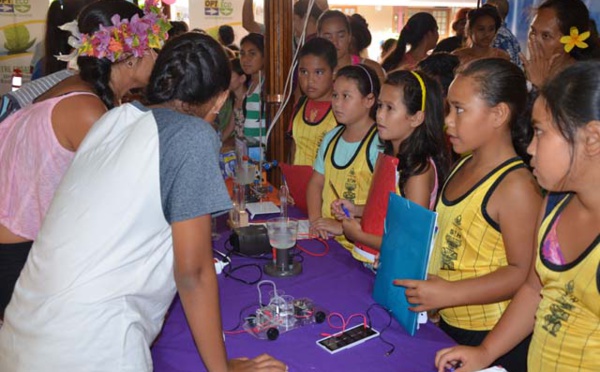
(288, 88)
(388, 325)
(321, 254)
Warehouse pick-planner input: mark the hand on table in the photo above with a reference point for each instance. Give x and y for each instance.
(325, 226)
(462, 359)
(426, 294)
(263, 362)
(338, 212)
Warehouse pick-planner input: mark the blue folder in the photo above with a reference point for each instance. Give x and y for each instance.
(408, 237)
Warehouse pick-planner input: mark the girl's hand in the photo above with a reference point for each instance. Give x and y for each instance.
(262, 362)
(426, 294)
(338, 212)
(462, 359)
(538, 68)
(352, 228)
(325, 226)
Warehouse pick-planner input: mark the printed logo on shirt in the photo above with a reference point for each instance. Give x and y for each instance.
(559, 313)
(453, 241)
(350, 186)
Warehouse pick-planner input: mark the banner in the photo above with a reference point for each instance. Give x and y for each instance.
(22, 29)
(210, 14)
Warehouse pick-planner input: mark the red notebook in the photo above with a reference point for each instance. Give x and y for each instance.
(383, 182)
(297, 177)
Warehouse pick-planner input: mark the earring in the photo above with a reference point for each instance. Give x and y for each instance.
(130, 64)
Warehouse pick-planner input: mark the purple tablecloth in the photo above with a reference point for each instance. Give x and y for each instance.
(336, 282)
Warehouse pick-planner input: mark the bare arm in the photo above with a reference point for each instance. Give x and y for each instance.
(418, 188)
(314, 195)
(197, 286)
(248, 21)
(73, 117)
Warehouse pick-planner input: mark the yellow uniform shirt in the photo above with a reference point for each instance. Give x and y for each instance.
(566, 335)
(469, 245)
(351, 180)
(308, 134)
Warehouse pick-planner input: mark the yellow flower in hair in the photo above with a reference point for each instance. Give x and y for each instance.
(574, 39)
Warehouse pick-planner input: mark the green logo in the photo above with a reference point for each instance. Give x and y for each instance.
(226, 8)
(22, 6)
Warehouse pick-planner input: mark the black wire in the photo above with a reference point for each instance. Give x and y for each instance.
(389, 313)
(241, 318)
(229, 270)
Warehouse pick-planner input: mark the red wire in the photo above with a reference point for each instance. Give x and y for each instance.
(324, 242)
(344, 323)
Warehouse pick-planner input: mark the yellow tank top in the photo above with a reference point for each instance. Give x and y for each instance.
(351, 180)
(566, 336)
(309, 134)
(469, 245)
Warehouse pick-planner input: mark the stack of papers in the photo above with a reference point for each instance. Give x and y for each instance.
(261, 208)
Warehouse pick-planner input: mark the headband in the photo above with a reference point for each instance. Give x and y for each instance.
(423, 90)
(121, 40)
(368, 75)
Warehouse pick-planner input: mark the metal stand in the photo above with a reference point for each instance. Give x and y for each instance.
(284, 266)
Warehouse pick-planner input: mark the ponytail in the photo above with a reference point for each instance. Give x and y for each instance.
(393, 59)
(96, 72)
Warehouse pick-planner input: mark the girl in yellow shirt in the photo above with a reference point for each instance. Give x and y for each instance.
(560, 301)
(486, 210)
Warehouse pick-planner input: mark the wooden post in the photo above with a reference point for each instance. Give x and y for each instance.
(278, 60)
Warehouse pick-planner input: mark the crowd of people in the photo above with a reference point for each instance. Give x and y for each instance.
(503, 145)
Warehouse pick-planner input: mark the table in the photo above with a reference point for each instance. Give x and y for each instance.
(336, 282)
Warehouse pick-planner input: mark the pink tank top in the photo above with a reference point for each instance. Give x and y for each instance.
(32, 163)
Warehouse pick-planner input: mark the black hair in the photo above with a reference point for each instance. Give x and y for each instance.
(367, 82)
(574, 13)
(192, 68)
(573, 97)
(96, 71)
(333, 14)
(177, 28)
(226, 35)
(412, 34)
(236, 67)
(301, 7)
(427, 140)
(484, 11)
(442, 67)
(255, 39)
(361, 36)
(501, 81)
(387, 45)
(56, 40)
(321, 48)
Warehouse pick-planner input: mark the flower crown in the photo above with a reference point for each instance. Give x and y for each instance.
(125, 38)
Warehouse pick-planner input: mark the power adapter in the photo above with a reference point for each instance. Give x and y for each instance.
(251, 240)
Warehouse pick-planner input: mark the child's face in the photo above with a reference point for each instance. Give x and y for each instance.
(348, 103)
(483, 32)
(251, 58)
(335, 30)
(468, 120)
(315, 77)
(393, 121)
(550, 151)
